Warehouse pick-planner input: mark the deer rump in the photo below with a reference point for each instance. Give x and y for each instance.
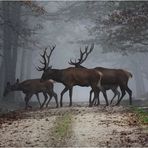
(114, 76)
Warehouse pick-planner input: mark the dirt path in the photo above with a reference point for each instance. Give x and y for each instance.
(107, 127)
(98, 126)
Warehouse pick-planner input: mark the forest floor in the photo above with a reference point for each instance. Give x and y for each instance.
(76, 126)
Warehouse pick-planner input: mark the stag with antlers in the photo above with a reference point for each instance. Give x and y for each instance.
(70, 77)
(112, 78)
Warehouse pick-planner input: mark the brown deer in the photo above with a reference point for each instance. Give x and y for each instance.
(112, 78)
(70, 77)
(31, 87)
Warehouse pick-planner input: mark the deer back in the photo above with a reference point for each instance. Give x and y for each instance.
(113, 76)
(73, 76)
(35, 85)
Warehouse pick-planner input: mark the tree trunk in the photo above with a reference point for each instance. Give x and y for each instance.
(11, 14)
(5, 70)
(139, 81)
(23, 65)
(29, 65)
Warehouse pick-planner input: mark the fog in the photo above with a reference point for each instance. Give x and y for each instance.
(70, 32)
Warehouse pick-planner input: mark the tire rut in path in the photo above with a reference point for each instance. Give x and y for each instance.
(107, 129)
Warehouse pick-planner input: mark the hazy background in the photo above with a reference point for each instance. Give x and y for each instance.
(117, 29)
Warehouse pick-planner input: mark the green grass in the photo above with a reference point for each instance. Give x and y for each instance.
(63, 126)
(141, 114)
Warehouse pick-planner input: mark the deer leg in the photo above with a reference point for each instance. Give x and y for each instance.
(98, 103)
(123, 94)
(113, 98)
(90, 97)
(37, 95)
(95, 96)
(95, 102)
(45, 99)
(70, 96)
(56, 99)
(62, 93)
(49, 100)
(27, 98)
(105, 96)
(116, 92)
(129, 91)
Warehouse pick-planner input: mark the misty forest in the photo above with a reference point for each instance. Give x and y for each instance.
(118, 31)
(74, 73)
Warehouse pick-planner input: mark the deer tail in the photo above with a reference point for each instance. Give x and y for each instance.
(129, 75)
(99, 83)
(52, 81)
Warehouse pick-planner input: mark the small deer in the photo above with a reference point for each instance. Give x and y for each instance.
(70, 77)
(112, 78)
(31, 87)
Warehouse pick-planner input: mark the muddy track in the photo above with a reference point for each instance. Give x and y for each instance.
(98, 126)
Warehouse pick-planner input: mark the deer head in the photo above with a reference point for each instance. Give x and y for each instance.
(83, 56)
(46, 60)
(9, 87)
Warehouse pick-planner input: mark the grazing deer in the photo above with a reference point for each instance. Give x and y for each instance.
(111, 77)
(70, 77)
(31, 87)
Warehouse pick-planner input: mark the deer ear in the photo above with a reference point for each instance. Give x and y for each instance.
(17, 80)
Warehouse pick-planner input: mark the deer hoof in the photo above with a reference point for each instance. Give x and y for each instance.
(117, 104)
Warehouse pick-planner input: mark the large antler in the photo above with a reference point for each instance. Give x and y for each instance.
(46, 58)
(83, 56)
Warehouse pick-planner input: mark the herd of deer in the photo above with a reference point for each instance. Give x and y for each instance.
(99, 79)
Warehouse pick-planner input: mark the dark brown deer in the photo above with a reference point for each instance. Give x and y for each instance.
(31, 87)
(111, 77)
(70, 77)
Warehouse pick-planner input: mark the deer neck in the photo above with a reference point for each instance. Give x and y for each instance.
(79, 66)
(82, 66)
(57, 75)
(18, 88)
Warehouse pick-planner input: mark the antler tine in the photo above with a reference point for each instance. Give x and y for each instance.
(92, 47)
(81, 56)
(48, 56)
(86, 52)
(44, 62)
(39, 68)
(72, 63)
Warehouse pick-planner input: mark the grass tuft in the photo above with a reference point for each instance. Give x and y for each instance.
(62, 129)
(63, 125)
(141, 114)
